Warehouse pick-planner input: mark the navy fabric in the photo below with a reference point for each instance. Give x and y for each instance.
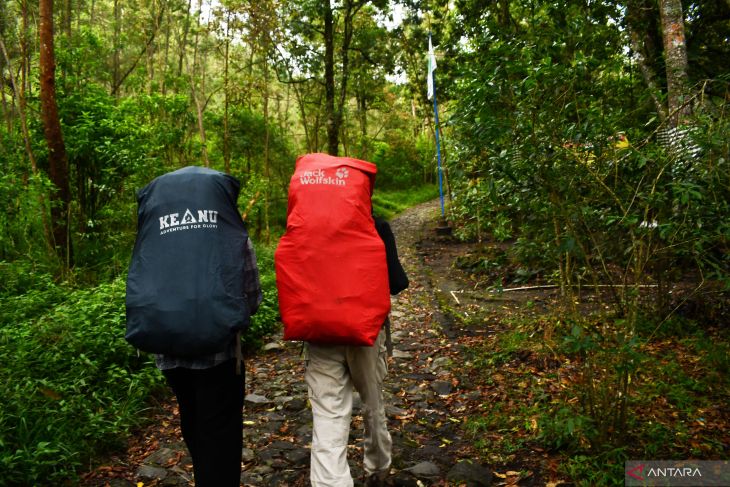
(185, 291)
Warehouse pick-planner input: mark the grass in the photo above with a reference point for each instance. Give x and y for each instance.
(388, 203)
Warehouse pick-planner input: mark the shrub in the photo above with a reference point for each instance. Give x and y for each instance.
(266, 320)
(70, 385)
(388, 203)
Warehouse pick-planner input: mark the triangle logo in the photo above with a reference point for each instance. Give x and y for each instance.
(188, 218)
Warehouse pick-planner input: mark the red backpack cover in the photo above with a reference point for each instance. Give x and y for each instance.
(331, 270)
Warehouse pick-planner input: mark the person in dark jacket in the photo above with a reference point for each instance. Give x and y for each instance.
(192, 286)
(210, 391)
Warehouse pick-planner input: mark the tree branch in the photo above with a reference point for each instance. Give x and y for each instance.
(142, 52)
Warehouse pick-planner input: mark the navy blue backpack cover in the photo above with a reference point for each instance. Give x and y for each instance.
(185, 285)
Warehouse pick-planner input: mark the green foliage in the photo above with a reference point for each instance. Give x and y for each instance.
(388, 203)
(109, 151)
(71, 385)
(81, 58)
(264, 168)
(716, 354)
(404, 163)
(248, 132)
(23, 198)
(266, 320)
(506, 346)
(563, 428)
(113, 148)
(603, 469)
(21, 201)
(554, 101)
(610, 356)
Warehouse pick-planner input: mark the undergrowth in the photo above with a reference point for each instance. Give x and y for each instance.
(69, 382)
(388, 203)
(71, 387)
(580, 389)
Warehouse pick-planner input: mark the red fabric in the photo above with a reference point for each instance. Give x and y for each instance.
(331, 270)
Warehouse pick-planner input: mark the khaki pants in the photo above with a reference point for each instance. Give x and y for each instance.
(332, 371)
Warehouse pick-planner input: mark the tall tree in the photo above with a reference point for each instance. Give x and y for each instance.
(117, 47)
(643, 35)
(329, 79)
(335, 100)
(24, 52)
(372, 59)
(226, 95)
(198, 93)
(675, 58)
(157, 19)
(57, 160)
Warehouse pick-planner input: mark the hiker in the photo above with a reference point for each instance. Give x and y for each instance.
(331, 373)
(193, 284)
(339, 287)
(210, 391)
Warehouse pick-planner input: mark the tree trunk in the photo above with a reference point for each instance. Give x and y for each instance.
(151, 51)
(641, 19)
(57, 161)
(349, 14)
(362, 111)
(675, 57)
(21, 111)
(335, 110)
(166, 60)
(226, 130)
(267, 137)
(329, 80)
(198, 97)
(505, 19)
(299, 97)
(7, 110)
(143, 52)
(67, 18)
(184, 42)
(24, 54)
(648, 74)
(117, 47)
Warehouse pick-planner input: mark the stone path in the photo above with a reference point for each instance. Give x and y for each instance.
(426, 404)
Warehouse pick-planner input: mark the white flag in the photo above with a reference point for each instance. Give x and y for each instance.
(431, 68)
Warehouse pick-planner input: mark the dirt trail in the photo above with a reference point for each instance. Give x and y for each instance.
(427, 400)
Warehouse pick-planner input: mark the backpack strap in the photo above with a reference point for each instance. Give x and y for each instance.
(239, 353)
(388, 339)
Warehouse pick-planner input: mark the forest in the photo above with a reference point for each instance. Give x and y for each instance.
(585, 147)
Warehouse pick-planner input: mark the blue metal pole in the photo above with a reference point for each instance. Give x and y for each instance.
(438, 143)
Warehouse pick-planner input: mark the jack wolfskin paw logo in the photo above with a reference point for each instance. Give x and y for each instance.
(342, 173)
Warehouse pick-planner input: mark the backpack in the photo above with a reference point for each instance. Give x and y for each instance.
(331, 270)
(185, 284)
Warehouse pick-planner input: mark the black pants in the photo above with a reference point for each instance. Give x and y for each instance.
(211, 419)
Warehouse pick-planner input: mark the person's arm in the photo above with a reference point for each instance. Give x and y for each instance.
(251, 283)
